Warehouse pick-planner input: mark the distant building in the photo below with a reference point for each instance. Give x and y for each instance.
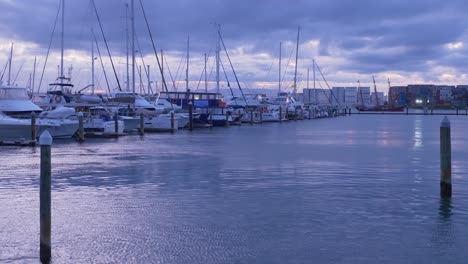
(317, 96)
(397, 95)
(351, 96)
(338, 96)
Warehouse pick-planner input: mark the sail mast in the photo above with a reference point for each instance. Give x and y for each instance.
(62, 44)
(218, 50)
(9, 64)
(279, 67)
(92, 64)
(133, 47)
(375, 91)
(206, 74)
(187, 70)
(297, 56)
(127, 47)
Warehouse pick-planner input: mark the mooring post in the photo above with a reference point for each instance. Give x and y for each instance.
(80, 127)
(407, 111)
(287, 113)
(251, 117)
(33, 126)
(295, 113)
(190, 116)
(432, 110)
(227, 119)
(280, 114)
(261, 116)
(457, 110)
(45, 141)
(445, 159)
(142, 124)
(172, 122)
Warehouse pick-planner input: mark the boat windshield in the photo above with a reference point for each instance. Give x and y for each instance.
(13, 94)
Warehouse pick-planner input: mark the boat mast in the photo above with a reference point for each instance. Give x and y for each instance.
(162, 70)
(187, 70)
(127, 42)
(279, 67)
(92, 64)
(149, 80)
(9, 64)
(33, 75)
(297, 56)
(62, 44)
(133, 49)
(313, 73)
(375, 91)
(206, 75)
(218, 50)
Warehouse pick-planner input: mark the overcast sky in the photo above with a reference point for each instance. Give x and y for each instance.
(418, 41)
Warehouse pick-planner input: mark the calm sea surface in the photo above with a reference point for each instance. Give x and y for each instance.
(359, 189)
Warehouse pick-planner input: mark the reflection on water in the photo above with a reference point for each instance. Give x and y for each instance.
(359, 189)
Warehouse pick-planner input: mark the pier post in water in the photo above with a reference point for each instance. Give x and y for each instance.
(116, 123)
(445, 159)
(80, 127)
(172, 122)
(142, 124)
(251, 117)
(33, 126)
(261, 116)
(407, 110)
(190, 116)
(287, 113)
(45, 251)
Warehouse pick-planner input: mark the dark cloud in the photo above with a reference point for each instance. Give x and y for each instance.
(372, 35)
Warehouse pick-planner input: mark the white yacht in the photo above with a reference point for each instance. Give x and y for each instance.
(16, 109)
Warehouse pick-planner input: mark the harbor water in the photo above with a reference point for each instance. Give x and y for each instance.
(355, 189)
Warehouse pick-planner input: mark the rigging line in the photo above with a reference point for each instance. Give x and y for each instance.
(102, 64)
(201, 77)
(332, 93)
(286, 68)
(170, 74)
(107, 46)
(178, 72)
(232, 67)
(4, 69)
(50, 45)
(227, 80)
(19, 71)
(142, 59)
(156, 53)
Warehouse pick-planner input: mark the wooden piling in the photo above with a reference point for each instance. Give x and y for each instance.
(116, 123)
(33, 126)
(445, 159)
(457, 110)
(295, 113)
(407, 110)
(172, 122)
(80, 127)
(190, 117)
(45, 251)
(287, 113)
(252, 117)
(142, 124)
(261, 116)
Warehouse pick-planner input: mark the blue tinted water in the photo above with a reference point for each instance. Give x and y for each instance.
(359, 189)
